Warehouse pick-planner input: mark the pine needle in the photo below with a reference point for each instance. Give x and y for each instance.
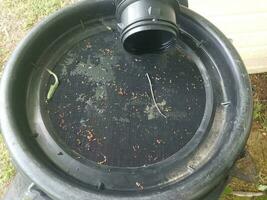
(153, 96)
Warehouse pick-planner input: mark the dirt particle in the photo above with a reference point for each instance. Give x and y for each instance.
(103, 161)
(139, 185)
(79, 142)
(159, 141)
(88, 45)
(90, 136)
(137, 60)
(121, 92)
(61, 123)
(136, 147)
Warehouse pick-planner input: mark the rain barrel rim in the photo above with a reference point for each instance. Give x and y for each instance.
(57, 187)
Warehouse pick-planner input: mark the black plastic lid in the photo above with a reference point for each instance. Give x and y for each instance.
(200, 86)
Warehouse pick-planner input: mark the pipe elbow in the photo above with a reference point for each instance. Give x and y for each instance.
(147, 26)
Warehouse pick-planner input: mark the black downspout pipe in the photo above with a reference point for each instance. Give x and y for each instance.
(147, 26)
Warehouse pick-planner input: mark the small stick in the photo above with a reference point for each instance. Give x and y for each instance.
(248, 194)
(264, 100)
(6, 32)
(53, 87)
(153, 97)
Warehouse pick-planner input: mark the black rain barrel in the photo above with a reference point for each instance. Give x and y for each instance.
(101, 135)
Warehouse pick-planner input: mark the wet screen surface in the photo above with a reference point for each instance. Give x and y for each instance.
(103, 108)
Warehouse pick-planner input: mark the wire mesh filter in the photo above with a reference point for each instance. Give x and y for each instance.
(104, 110)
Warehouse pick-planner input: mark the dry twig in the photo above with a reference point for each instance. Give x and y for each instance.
(153, 96)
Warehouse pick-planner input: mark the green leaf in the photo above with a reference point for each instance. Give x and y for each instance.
(262, 188)
(227, 190)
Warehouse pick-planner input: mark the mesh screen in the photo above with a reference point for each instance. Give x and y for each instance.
(103, 108)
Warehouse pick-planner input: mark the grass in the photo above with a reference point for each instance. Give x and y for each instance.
(260, 113)
(7, 171)
(18, 16)
(34, 10)
(256, 145)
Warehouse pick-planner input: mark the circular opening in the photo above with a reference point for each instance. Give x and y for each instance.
(148, 41)
(104, 109)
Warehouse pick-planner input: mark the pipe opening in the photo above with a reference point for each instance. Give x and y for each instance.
(149, 41)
